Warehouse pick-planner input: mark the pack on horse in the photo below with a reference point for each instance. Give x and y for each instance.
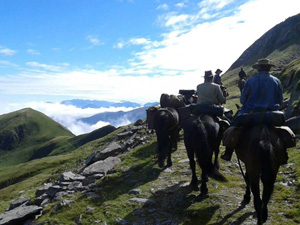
(202, 137)
(166, 124)
(262, 148)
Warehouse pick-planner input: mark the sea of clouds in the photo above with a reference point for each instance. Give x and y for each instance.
(69, 115)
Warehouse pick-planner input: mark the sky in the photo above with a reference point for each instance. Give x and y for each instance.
(115, 50)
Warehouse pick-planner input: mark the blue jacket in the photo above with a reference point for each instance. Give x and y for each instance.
(261, 92)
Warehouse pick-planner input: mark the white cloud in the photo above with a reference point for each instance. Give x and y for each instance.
(33, 52)
(45, 66)
(180, 5)
(7, 51)
(162, 7)
(68, 115)
(94, 41)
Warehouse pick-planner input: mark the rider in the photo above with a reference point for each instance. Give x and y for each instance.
(217, 77)
(209, 92)
(242, 79)
(262, 92)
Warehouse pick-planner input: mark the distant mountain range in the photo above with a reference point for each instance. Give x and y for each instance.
(116, 119)
(83, 104)
(119, 118)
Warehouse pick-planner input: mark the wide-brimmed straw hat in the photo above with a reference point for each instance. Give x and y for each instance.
(218, 70)
(262, 62)
(208, 74)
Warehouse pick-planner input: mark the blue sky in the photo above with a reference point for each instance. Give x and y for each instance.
(54, 50)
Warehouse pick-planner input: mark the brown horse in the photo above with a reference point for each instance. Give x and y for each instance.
(262, 151)
(202, 138)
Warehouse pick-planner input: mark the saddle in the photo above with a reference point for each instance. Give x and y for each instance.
(213, 110)
(273, 119)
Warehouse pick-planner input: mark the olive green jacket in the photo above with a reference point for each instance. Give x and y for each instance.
(210, 93)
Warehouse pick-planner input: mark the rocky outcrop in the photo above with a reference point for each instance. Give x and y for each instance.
(97, 166)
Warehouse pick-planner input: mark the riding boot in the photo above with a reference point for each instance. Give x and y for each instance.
(228, 154)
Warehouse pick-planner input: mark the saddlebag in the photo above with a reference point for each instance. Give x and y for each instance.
(171, 101)
(271, 118)
(287, 136)
(231, 136)
(213, 110)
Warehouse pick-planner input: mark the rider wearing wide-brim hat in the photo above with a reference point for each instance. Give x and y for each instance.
(217, 77)
(262, 92)
(209, 92)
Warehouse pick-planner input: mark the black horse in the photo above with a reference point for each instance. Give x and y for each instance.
(166, 125)
(202, 138)
(262, 150)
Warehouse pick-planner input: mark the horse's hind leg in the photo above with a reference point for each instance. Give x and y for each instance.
(190, 153)
(254, 184)
(247, 196)
(268, 182)
(204, 189)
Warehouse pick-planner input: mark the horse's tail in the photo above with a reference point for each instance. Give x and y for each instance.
(204, 154)
(268, 158)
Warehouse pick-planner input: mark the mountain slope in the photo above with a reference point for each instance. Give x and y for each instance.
(28, 134)
(281, 45)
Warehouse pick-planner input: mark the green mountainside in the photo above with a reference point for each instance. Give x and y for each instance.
(28, 134)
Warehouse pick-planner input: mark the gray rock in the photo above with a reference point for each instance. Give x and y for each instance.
(20, 215)
(40, 199)
(76, 185)
(66, 202)
(91, 179)
(18, 202)
(53, 190)
(59, 195)
(125, 134)
(112, 149)
(135, 192)
(43, 189)
(89, 160)
(70, 177)
(143, 201)
(78, 219)
(102, 167)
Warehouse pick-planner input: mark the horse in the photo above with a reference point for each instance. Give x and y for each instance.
(166, 125)
(202, 138)
(262, 151)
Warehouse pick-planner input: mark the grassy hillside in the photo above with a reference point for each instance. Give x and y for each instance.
(27, 177)
(28, 134)
(174, 201)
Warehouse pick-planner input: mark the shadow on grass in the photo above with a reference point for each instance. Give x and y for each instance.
(171, 206)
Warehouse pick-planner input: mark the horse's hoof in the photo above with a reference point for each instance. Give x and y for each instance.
(245, 202)
(161, 165)
(169, 164)
(264, 215)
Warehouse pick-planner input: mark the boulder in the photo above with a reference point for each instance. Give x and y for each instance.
(101, 167)
(112, 149)
(16, 203)
(19, 215)
(70, 177)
